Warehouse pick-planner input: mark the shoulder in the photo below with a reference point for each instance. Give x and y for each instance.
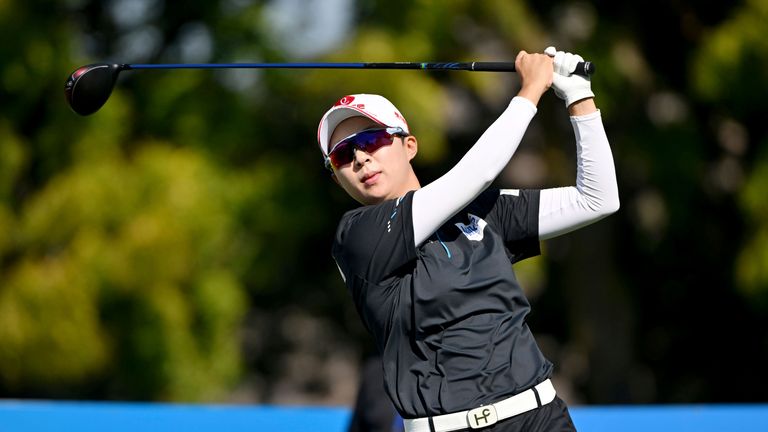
(373, 241)
(490, 198)
(367, 216)
(516, 197)
(377, 211)
(371, 219)
(514, 211)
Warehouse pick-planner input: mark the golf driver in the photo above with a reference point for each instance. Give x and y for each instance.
(88, 88)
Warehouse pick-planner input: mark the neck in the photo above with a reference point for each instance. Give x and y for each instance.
(411, 184)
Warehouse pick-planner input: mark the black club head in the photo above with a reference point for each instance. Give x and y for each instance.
(89, 87)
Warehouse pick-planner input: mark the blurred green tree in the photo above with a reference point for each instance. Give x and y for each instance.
(731, 72)
(128, 275)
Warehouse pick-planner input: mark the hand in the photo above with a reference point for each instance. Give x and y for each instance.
(569, 87)
(535, 72)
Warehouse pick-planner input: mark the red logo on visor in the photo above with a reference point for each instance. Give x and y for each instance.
(346, 100)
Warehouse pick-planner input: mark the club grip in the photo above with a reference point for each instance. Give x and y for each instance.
(585, 68)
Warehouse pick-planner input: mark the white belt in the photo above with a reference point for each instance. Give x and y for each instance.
(486, 415)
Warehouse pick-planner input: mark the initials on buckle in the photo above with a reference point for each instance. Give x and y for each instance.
(482, 416)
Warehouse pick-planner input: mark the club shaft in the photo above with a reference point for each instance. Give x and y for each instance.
(398, 65)
(585, 68)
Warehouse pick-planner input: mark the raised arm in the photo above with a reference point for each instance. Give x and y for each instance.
(438, 201)
(596, 193)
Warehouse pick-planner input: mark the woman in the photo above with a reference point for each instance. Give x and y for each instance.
(429, 267)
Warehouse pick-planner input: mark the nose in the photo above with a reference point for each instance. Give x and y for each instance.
(360, 156)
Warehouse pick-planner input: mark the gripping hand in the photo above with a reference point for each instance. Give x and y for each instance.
(568, 86)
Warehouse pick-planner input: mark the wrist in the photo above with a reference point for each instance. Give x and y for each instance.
(532, 93)
(582, 107)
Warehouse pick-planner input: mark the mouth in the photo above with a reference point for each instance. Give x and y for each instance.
(371, 178)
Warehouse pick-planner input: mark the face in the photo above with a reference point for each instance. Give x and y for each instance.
(380, 175)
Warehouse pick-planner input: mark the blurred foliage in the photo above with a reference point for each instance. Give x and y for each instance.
(734, 54)
(130, 269)
(159, 248)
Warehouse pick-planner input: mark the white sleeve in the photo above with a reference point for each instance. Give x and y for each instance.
(596, 194)
(438, 201)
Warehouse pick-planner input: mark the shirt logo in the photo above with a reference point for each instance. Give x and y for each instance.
(473, 230)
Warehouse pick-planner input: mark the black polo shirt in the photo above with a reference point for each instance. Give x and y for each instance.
(447, 317)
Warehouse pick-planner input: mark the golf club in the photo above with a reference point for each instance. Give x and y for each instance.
(88, 88)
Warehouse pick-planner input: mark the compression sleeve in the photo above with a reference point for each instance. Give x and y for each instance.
(596, 194)
(440, 200)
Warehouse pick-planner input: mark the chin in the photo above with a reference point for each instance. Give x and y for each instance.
(372, 194)
(370, 199)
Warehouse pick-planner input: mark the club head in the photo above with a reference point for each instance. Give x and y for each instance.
(89, 87)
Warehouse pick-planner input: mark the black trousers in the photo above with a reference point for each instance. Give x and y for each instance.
(552, 417)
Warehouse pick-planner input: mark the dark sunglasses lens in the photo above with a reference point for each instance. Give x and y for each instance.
(374, 140)
(367, 141)
(342, 154)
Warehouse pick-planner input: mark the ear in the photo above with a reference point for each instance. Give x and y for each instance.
(411, 146)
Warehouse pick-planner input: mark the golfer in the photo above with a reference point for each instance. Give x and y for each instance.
(428, 267)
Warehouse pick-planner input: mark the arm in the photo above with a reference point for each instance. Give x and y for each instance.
(437, 202)
(596, 194)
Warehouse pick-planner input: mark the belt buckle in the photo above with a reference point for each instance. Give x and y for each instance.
(482, 416)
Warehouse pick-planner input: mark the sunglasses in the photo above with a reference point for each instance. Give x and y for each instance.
(368, 141)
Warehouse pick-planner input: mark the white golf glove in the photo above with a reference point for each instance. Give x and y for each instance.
(568, 87)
